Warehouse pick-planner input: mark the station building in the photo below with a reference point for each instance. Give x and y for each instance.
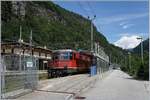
(19, 52)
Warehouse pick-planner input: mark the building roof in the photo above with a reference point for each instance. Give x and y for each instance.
(24, 45)
(64, 50)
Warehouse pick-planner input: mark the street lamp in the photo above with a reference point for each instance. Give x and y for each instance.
(92, 19)
(140, 38)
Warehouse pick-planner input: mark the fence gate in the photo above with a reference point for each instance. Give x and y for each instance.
(19, 75)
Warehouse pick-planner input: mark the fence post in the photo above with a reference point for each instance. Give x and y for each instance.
(0, 59)
(0, 73)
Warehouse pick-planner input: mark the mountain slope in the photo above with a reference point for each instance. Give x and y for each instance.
(52, 26)
(49, 22)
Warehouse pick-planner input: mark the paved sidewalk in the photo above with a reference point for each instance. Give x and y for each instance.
(63, 88)
(117, 86)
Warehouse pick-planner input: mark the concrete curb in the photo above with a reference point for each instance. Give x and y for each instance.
(70, 97)
(16, 94)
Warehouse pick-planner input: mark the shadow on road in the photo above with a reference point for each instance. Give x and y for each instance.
(134, 78)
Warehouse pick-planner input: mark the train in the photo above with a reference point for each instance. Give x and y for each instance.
(68, 61)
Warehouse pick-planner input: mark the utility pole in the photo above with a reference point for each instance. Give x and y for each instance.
(20, 35)
(109, 61)
(140, 38)
(110, 58)
(20, 41)
(31, 46)
(91, 20)
(125, 61)
(129, 54)
(31, 38)
(1, 66)
(92, 44)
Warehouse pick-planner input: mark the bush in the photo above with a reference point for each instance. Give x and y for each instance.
(143, 72)
(140, 71)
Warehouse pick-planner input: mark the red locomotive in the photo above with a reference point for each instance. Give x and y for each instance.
(69, 61)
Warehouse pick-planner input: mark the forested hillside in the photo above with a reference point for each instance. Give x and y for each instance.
(52, 26)
(138, 69)
(145, 66)
(49, 22)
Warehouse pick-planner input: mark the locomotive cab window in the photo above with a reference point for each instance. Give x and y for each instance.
(64, 56)
(56, 56)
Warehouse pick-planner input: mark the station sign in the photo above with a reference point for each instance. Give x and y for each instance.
(29, 64)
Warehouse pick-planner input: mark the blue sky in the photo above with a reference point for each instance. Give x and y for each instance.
(120, 22)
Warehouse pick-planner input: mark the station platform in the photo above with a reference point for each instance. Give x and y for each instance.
(63, 88)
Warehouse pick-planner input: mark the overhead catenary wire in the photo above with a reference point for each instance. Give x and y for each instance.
(91, 19)
(84, 10)
(91, 8)
(93, 12)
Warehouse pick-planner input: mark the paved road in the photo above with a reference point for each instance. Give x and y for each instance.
(118, 86)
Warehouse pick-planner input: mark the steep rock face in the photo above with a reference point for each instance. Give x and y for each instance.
(18, 8)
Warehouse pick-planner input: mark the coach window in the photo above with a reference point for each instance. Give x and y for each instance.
(65, 56)
(71, 55)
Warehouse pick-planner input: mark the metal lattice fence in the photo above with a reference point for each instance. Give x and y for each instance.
(19, 75)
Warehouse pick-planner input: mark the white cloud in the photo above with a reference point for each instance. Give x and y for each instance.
(123, 23)
(125, 34)
(117, 18)
(144, 35)
(127, 42)
(127, 26)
